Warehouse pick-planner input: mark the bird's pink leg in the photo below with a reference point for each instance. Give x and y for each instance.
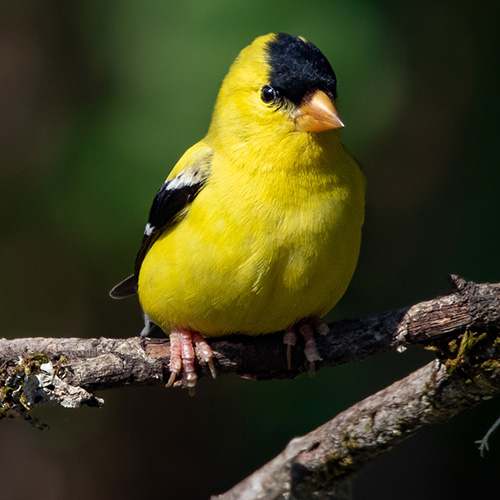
(306, 327)
(175, 365)
(289, 339)
(182, 357)
(204, 351)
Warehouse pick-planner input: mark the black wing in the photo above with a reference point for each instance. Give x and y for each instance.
(169, 206)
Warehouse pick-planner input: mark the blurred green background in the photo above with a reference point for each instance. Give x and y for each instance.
(97, 102)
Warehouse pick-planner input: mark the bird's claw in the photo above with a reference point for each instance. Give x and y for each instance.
(306, 327)
(183, 345)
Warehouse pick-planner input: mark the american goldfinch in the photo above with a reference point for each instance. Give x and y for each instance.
(257, 228)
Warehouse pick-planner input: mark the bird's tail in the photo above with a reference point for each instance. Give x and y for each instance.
(125, 288)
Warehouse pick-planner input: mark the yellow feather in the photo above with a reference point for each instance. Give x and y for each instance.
(273, 236)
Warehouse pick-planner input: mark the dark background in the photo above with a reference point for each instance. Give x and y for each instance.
(97, 102)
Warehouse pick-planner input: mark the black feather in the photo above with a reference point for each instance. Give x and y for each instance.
(124, 289)
(298, 67)
(168, 207)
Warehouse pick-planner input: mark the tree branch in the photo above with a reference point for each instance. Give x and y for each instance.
(67, 371)
(107, 363)
(312, 466)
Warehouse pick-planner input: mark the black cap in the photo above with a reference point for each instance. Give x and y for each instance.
(298, 67)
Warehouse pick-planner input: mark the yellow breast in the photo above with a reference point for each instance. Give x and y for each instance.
(261, 246)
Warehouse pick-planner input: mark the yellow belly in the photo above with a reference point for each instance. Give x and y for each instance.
(253, 265)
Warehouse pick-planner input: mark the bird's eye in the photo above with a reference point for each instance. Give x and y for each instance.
(268, 94)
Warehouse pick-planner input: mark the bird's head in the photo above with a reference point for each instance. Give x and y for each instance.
(280, 84)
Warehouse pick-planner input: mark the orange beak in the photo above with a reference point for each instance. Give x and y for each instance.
(317, 114)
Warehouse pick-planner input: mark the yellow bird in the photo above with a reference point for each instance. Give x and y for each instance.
(258, 227)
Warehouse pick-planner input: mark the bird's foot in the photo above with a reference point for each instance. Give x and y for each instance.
(184, 346)
(306, 327)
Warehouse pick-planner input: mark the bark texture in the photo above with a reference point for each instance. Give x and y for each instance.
(313, 466)
(461, 328)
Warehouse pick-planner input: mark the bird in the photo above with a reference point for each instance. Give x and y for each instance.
(257, 228)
